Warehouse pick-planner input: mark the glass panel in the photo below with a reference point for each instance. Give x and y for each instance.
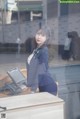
(19, 22)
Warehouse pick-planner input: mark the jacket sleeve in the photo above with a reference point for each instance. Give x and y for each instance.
(32, 81)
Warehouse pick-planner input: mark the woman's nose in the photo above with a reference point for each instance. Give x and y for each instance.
(39, 36)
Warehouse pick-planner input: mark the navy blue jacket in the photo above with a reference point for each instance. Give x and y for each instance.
(38, 75)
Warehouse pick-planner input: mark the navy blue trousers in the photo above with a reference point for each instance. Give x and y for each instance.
(50, 88)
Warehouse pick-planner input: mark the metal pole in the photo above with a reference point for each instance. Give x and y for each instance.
(45, 11)
(2, 21)
(19, 28)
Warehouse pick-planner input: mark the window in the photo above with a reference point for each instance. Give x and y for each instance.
(19, 22)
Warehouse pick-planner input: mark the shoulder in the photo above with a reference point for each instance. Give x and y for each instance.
(43, 54)
(44, 49)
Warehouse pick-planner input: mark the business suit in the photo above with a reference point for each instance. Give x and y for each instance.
(38, 75)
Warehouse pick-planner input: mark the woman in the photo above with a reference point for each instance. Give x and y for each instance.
(37, 66)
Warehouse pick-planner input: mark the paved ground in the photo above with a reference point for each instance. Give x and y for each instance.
(9, 61)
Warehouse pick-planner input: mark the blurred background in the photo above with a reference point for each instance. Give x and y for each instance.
(19, 21)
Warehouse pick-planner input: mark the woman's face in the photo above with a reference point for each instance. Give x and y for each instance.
(40, 38)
